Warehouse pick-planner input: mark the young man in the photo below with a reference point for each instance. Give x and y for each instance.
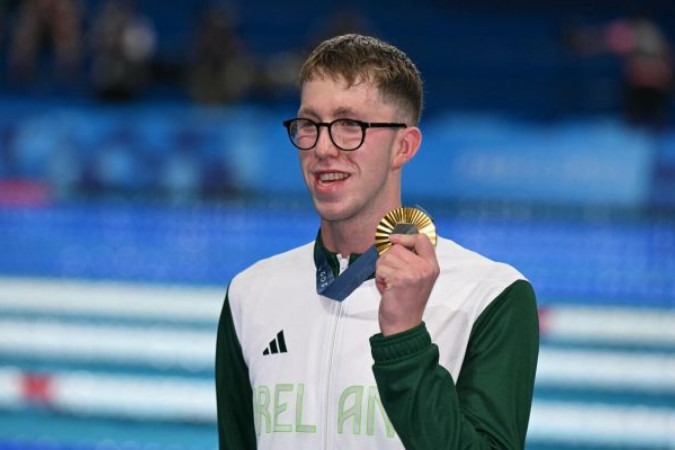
(435, 348)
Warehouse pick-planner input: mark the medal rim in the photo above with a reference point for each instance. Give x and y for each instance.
(405, 214)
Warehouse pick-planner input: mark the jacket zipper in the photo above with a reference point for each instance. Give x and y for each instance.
(338, 309)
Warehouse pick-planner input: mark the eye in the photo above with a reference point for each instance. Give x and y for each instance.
(347, 124)
(305, 127)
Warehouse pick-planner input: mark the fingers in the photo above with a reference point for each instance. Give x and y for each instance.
(386, 276)
(419, 243)
(405, 276)
(410, 259)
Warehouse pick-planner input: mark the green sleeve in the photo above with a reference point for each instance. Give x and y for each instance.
(233, 389)
(489, 405)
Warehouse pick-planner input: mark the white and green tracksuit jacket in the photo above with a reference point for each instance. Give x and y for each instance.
(295, 370)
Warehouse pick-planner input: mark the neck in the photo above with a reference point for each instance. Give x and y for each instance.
(355, 235)
(347, 240)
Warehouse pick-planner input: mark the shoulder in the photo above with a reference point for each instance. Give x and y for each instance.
(455, 259)
(279, 266)
(473, 277)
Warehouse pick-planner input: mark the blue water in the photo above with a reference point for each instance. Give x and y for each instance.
(594, 261)
(61, 432)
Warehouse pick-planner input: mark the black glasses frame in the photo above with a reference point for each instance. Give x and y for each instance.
(329, 125)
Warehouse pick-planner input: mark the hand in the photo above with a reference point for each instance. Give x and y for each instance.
(405, 275)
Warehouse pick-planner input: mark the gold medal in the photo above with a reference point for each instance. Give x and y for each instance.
(403, 220)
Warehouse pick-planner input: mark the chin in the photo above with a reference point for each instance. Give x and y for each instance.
(332, 212)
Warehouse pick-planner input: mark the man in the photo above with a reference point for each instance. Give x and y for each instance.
(435, 350)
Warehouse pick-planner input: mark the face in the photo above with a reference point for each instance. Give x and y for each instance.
(362, 184)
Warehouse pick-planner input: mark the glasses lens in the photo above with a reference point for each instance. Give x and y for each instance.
(347, 134)
(303, 133)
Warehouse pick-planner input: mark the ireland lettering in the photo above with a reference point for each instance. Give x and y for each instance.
(281, 408)
(272, 409)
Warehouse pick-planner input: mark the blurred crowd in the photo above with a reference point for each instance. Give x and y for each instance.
(118, 51)
(115, 46)
(115, 51)
(647, 63)
(57, 39)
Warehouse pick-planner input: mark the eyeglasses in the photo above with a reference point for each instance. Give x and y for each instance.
(346, 134)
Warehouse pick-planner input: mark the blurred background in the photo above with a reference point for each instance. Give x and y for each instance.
(143, 163)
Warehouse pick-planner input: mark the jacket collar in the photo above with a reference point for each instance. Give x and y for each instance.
(321, 252)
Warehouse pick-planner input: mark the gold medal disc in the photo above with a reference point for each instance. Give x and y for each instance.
(404, 218)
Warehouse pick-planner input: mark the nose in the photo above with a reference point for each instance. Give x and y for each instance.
(324, 145)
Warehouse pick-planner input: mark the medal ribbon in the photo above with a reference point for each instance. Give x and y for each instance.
(339, 288)
(359, 271)
(397, 221)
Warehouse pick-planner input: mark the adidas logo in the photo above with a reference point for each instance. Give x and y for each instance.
(277, 345)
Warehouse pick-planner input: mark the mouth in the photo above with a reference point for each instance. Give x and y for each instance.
(325, 179)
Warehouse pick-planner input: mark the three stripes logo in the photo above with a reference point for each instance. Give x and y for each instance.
(277, 345)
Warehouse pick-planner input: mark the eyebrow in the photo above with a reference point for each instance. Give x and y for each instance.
(344, 111)
(307, 112)
(341, 111)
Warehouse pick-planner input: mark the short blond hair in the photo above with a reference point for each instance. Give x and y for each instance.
(356, 58)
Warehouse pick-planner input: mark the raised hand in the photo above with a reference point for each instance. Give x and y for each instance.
(405, 275)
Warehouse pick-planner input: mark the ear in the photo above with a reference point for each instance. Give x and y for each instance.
(408, 143)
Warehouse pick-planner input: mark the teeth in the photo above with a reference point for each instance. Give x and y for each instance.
(332, 176)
